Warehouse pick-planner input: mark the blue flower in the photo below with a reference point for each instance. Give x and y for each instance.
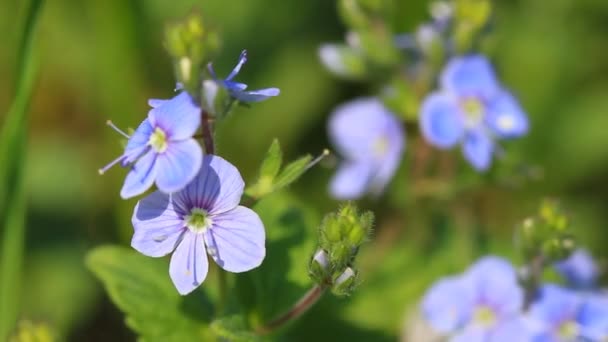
(238, 90)
(483, 304)
(560, 314)
(204, 218)
(371, 140)
(472, 109)
(162, 149)
(579, 270)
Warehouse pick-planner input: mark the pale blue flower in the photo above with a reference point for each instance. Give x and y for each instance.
(560, 314)
(238, 90)
(483, 304)
(371, 140)
(579, 270)
(204, 218)
(472, 109)
(162, 149)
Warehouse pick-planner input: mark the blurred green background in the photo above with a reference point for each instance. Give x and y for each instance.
(103, 59)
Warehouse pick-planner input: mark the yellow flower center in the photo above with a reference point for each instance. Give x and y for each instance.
(198, 221)
(473, 110)
(568, 330)
(380, 146)
(484, 316)
(158, 140)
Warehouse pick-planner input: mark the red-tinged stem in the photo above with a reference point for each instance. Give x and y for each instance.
(207, 128)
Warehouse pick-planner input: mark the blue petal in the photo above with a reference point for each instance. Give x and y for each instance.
(189, 264)
(448, 305)
(505, 116)
(236, 240)
(440, 121)
(470, 76)
(555, 305)
(237, 68)
(217, 188)
(579, 270)
(495, 283)
(478, 149)
(512, 330)
(179, 117)
(156, 102)
(255, 95)
(138, 142)
(178, 165)
(391, 159)
(158, 225)
(355, 128)
(351, 180)
(593, 318)
(141, 176)
(472, 333)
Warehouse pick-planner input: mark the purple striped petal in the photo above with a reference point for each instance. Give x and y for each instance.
(236, 240)
(189, 264)
(178, 165)
(158, 226)
(179, 117)
(141, 176)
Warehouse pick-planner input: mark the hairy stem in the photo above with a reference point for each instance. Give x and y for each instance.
(305, 303)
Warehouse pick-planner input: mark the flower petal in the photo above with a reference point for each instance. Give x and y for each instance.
(388, 165)
(470, 76)
(156, 102)
(189, 264)
(593, 318)
(217, 188)
(505, 116)
(440, 121)
(512, 330)
(495, 283)
(448, 304)
(239, 65)
(179, 117)
(236, 240)
(138, 142)
(554, 305)
(141, 176)
(579, 270)
(178, 165)
(478, 149)
(472, 333)
(351, 180)
(158, 226)
(356, 127)
(255, 95)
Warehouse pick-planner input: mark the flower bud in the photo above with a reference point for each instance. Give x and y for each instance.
(319, 267)
(345, 282)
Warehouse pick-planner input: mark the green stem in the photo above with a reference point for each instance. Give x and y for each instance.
(304, 304)
(222, 289)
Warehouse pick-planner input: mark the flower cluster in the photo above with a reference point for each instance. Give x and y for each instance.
(486, 303)
(195, 210)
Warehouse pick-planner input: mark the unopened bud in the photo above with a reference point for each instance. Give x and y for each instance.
(319, 267)
(345, 282)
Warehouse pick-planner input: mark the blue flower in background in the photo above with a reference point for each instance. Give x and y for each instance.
(472, 109)
(204, 218)
(238, 90)
(162, 148)
(560, 314)
(371, 140)
(483, 304)
(579, 270)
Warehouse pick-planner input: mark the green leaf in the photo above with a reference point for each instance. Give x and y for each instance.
(33, 332)
(272, 162)
(292, 172)
(141, 288)
(283, 277)
(12, 190)
(233, 329)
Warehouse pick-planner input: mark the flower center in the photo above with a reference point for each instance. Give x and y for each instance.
(484, 316)
(380, 146)
(474, 111)
(198, 221)
(158, 140)
(568, 330)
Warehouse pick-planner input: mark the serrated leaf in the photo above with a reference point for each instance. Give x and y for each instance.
(141, 288)
(283, 277)
(233, 329)
(292, 172)
(272, 162)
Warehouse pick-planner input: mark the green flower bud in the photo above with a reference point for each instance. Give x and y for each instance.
(319, 268)
(345, 283)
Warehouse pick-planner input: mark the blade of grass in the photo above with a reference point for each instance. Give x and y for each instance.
(12, 190)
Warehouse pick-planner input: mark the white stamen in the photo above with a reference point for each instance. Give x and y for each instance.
(113, 126)
(325, 153)
(112, 163)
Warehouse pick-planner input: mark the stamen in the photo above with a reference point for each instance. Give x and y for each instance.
(316, 161)
(113, 126)
(237, 68)
(211, 71)
(112, 163)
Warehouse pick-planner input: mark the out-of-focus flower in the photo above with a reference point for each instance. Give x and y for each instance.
(371, 140)
(162, 148)
(579, 270)
(483, 304)
(560, 314)
(238, 90)
(472, 109)
(205, 217)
